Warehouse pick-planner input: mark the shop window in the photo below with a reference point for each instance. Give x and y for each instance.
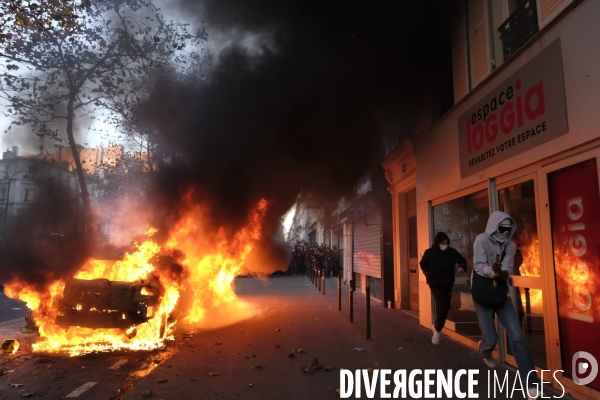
(575, 215)
(518, 201)
(462, 220)
(528, 304)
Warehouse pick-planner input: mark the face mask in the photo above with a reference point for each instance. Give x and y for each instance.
(443, 247)
(499, 237)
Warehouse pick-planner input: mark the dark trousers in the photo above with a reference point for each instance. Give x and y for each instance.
(442, 296)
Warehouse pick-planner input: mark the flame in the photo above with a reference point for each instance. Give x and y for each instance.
(10, 346)
(210, 263)
(530, 249)
(580, 283)
(578, 286)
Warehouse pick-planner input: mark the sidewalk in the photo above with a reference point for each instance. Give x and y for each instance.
(252, 357)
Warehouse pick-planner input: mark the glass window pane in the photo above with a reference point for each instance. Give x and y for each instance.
(530, 309)
(575, 217)
(462, 220)
(518, 201)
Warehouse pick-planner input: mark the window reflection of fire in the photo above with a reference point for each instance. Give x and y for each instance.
(580, 283)
(529, 249)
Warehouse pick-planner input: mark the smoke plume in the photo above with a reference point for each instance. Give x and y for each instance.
(301, 95)
(42, 244)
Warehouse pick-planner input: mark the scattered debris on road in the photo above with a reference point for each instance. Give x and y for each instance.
(10, 346)
(359, 349)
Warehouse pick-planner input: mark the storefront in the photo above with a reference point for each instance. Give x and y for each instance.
(527, 143)
(368, 254)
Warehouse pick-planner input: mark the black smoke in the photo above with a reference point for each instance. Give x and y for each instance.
(311, 105)
(41, 243)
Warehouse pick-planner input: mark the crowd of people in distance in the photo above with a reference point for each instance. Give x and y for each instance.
(322, 257)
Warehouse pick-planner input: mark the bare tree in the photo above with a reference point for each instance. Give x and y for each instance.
(61, 60)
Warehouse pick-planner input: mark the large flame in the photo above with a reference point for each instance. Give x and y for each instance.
(578, 286)
(580, 283)
(209, 264)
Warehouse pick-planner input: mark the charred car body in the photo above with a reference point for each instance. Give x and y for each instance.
(101, 303)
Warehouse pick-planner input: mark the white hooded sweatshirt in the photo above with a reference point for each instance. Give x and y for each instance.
(490, 243)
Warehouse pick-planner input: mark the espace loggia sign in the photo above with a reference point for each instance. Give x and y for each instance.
(526, 110)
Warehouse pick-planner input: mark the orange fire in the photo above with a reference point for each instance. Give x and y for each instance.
(531, 267)
(578, 286)
(577, 282)
(210, 263)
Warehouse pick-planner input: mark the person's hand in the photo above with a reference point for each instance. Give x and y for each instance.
(459, 271)
(502, 274)
(497, 267)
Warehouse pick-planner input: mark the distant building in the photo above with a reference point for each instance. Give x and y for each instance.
(92, 159)
(25, 180)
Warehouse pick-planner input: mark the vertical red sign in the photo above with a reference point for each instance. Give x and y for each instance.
(575, 213)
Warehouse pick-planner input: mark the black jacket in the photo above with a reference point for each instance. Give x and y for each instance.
(438, 265)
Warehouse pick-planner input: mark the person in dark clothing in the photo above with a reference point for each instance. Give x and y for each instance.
(439, 267)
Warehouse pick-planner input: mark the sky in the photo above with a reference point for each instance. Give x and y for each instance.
(92, 133)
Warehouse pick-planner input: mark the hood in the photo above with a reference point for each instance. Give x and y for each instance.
(495, 219)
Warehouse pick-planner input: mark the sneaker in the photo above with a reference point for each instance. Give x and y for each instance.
(435, 339)
(532, 393)
(490, 362)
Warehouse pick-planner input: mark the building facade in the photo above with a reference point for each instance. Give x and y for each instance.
(26, 180)
(522, 138)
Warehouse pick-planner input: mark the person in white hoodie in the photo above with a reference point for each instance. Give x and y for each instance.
(493, 260)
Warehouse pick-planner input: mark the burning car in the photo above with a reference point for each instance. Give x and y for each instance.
(101, 303)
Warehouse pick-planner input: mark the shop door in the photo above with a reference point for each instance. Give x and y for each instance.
(573, 250)
(412, 249)
(518, 198)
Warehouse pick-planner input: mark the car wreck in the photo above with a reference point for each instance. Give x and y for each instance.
(101, 303)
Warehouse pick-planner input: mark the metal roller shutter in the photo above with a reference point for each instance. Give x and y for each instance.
(367, 245)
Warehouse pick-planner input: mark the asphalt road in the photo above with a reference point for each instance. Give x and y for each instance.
(250, 359)
(11, 309)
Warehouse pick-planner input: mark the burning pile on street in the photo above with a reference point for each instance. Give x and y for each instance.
(134, 303)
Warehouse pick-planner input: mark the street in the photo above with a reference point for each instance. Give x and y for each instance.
(11, 309)
(257, 358)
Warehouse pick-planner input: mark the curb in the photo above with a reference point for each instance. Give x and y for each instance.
(12, 321)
